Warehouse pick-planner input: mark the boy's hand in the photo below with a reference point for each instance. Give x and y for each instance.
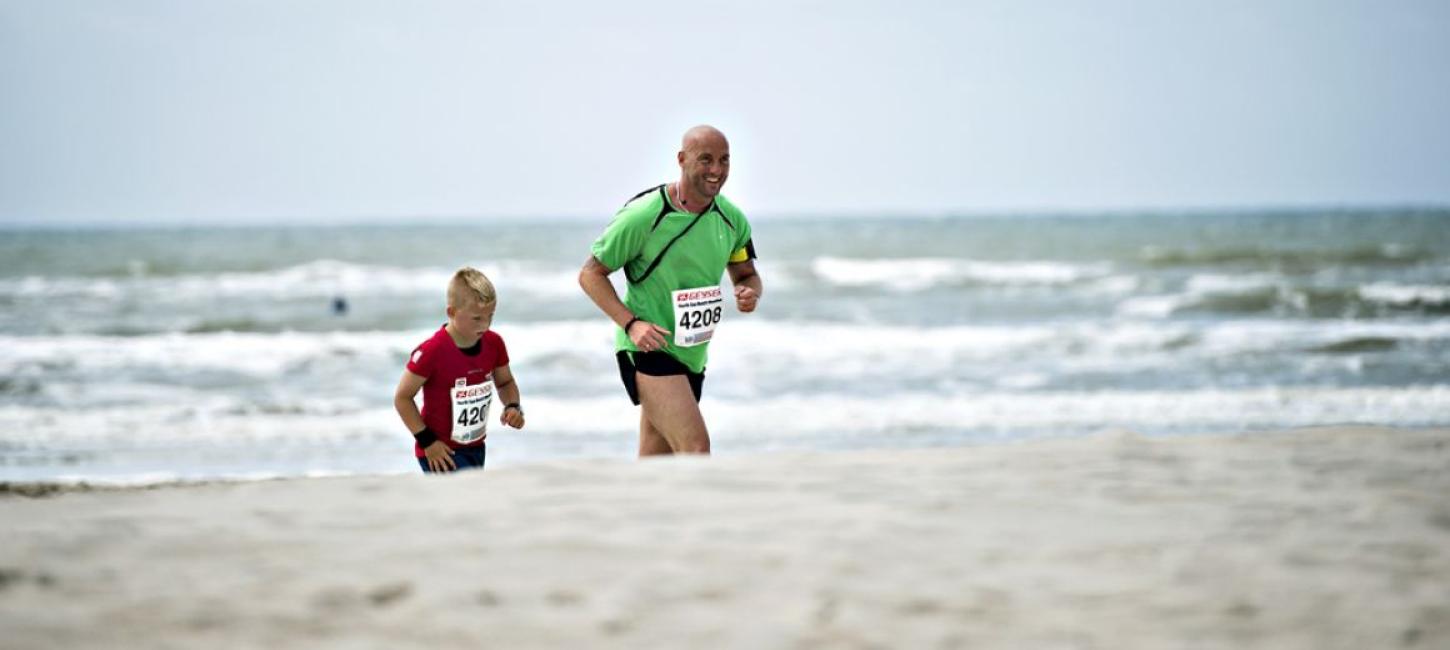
(440, 457)
(513, 416)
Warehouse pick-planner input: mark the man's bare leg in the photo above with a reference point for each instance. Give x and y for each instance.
(669, 408)
(651, 443)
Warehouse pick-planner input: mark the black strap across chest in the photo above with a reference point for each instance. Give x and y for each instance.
(664, 210)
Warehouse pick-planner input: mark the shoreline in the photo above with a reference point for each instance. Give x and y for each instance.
(1312, 538)
(48, 488)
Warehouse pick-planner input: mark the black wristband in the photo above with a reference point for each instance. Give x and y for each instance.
(425, 437)
(513, 405)
(631, 323)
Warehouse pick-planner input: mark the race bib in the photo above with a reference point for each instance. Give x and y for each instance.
(470, 411)
(697, 312)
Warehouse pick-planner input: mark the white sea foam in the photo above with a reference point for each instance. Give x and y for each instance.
(321, 278)
(262, 356)
(1218, 284)
(1208, 289)
(915, 274)
(573, 352)
(139, 443)
(1405, 295)
(1155, 307)
(1242, 337)
(1007, 413)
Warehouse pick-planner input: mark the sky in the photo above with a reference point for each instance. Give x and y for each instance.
(239, 111)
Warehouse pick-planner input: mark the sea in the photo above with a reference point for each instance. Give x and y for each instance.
(146, 355)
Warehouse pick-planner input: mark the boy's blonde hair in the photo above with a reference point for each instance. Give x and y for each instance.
(469, 287)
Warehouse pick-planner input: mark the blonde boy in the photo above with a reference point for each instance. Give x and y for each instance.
(460, 369)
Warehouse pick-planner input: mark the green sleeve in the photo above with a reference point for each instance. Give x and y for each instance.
(742, 233)
(623, 240)
(744, 237)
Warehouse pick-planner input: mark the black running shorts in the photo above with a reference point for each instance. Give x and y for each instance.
(654, 364)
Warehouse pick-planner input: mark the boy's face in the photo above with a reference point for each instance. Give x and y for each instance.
(471, 320)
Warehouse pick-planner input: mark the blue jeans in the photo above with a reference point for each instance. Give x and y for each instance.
(470, 458)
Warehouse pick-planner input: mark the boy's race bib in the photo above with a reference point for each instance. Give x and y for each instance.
(697, 312)
(470, 411)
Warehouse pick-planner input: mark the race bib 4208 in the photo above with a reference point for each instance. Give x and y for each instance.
(697, 312)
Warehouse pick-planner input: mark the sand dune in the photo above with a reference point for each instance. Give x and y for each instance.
(1329, 538)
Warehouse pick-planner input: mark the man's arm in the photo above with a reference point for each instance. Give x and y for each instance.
(594, 279)
(748, 287)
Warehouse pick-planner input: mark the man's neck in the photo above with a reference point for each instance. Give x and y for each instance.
(687, 200)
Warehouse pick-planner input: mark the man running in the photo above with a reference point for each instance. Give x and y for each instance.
(673, 241)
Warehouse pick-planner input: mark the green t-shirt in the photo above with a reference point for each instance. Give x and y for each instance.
(696, 249)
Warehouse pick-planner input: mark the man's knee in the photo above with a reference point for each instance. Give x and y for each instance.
(695, 445)
(679, 435)
(669, 408)
(651, 443)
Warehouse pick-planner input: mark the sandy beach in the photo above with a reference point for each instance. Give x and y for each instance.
(1324, 538)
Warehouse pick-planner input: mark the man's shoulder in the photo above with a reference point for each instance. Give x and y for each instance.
(641, 210)
(728, 207)
(732, 212)
(644, 201)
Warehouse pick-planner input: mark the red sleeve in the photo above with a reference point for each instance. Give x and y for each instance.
(502, 358)
(420, 362)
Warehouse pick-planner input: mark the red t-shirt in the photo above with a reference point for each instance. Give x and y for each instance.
(455, 398)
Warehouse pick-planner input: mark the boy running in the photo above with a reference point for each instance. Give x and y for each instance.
(460, 371)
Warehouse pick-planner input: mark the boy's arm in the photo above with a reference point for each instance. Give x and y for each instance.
(440, 457)
(408, 388)
(508, 392)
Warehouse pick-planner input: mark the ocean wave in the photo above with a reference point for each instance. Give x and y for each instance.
(916, 274)
(1345, 336)
(1436, 298)
(317, 279)
(1272, 294)
(1287, 259)
(579, 353)
(1355, 345)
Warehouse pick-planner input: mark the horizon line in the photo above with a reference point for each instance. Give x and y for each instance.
(854, 215)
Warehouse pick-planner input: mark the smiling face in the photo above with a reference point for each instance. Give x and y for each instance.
(704, 162)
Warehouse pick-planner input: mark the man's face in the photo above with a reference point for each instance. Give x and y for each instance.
(706, 164)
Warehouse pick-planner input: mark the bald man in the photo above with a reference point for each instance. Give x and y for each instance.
(674, 242)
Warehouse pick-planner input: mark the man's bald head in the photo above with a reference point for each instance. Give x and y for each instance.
(701, 135)
(704, 164)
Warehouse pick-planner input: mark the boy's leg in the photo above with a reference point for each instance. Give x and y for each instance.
(462, 459)
(669, 408)
(470, 458)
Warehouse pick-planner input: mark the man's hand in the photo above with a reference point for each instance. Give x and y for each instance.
(745, 298)
(512, 416)
(440, 457)
(646, 336)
